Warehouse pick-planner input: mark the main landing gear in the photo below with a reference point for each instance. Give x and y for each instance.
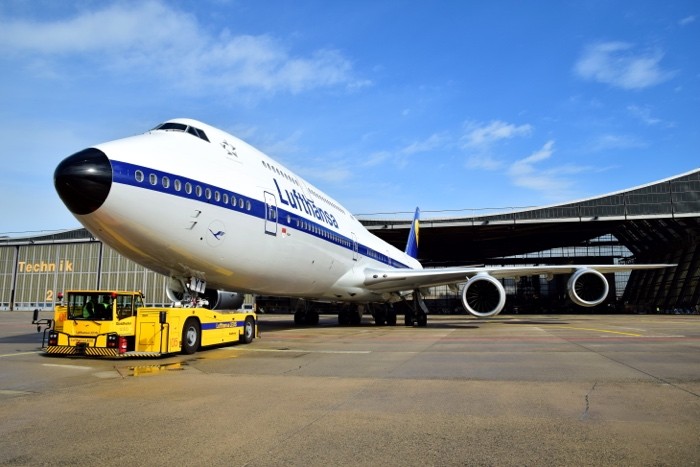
(303, 316)
(416, 311)
(384, 315)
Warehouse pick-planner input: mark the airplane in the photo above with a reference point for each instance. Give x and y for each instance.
(220, 219)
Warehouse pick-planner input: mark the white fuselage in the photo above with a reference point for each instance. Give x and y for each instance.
(224, 212)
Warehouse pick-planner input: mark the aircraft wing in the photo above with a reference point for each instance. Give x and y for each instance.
(396, 280)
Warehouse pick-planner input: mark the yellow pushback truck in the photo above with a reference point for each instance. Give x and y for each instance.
(111, 323)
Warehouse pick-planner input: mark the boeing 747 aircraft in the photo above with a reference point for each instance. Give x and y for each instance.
(220, 218)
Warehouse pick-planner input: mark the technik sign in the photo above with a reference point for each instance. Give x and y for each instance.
(64, 265)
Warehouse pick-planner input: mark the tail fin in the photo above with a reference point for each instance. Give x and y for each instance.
(412, 245)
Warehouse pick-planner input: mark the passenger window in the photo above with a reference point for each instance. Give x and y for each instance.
(177, 185)
(233, 201)
(139, 176)
(166, 182)
(198, 191)
(207, 193)
(225, 198)
(188, 188)
(153, 179)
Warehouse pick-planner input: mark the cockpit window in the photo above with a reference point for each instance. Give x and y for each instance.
(173, 126)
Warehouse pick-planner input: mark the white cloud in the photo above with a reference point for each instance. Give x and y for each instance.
(610, 141)
(553, 183)
(687, 20)
(400, 157)
(643, 114)
(145, 26)
(482, 135)
(525, 167)
(376, 158)
(479, 138)
(434, 141)
(484, 162)
(151, 38)
(619, 65)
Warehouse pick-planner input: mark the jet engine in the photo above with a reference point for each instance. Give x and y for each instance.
(175, 290)
(217, 299)
(223, 299)
(483, 296)
(587, 287)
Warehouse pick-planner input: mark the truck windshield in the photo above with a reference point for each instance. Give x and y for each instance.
(93, 306)
(127, 305)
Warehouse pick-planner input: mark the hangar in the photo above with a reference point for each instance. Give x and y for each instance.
(657, 222)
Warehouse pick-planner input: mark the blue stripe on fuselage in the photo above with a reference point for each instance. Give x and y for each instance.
(125, 174)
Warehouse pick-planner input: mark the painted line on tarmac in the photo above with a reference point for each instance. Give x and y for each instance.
(71, 367)
(306, 351)
(19, 353)
(599, 330)
(9, 392)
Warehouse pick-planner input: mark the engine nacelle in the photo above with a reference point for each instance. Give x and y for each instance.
(217, 299)
(587, 287)
(483, 296)
(175, 291)
(223, 299)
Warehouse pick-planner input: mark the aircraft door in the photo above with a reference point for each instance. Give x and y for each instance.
(270, 214)
(355, 253)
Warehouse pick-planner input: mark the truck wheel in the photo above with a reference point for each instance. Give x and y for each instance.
(190, 337)
(248, 331)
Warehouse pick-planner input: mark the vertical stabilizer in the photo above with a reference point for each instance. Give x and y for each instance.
(412, 245)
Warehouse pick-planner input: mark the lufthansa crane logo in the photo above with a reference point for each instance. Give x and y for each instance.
(216, 234)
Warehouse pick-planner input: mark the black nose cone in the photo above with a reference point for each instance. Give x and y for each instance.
(83, 180)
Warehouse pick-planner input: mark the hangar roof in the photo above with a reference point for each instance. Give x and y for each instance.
(666, 211)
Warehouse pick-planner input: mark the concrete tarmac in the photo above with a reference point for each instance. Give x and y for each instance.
(514, 390)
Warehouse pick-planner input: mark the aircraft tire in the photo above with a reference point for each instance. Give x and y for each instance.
(312, 317)
(343, 318)
(380, 317)
(391, 318)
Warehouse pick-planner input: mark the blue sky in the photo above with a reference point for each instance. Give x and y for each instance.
(385, 105)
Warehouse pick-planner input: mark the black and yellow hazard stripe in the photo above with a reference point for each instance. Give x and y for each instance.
(91, 351)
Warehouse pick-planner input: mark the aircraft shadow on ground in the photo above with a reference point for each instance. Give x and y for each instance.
(276, 325)
(535, 322)
(467, 324)
(31, 338)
